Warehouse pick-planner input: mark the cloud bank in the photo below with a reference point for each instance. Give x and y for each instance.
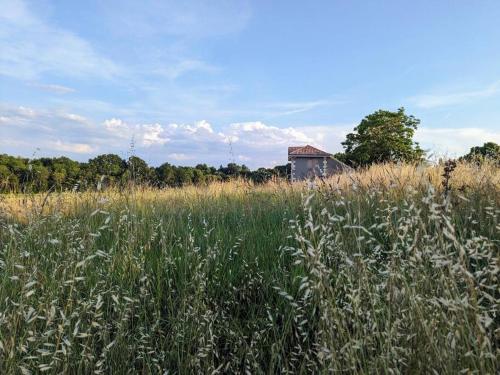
(255, 143)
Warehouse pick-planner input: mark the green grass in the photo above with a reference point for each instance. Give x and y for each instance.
(359, 278)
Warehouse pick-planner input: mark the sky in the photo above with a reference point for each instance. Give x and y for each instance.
(214, 82)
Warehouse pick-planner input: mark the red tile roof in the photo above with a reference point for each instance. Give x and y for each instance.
(306, 151)
(293, 148)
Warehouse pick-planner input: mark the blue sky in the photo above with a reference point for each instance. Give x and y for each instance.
(222, 81)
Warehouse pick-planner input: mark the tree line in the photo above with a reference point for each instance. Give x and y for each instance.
(18, 174)
(382, 136)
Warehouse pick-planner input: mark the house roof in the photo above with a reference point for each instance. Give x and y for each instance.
(293, 148)
(306, 151)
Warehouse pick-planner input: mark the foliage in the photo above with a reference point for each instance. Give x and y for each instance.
(377, 271)
(381, 137)
(138, 171)
(489, 150)
(60, 174)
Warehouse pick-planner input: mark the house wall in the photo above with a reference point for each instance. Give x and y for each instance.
(309, 167)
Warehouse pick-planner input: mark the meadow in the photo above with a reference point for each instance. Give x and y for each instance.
(393, 269)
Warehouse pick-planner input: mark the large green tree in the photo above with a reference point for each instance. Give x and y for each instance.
(381, 137)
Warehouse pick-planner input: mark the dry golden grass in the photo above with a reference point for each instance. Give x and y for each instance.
(398, 178)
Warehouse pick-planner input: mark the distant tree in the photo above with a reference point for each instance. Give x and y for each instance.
(282, 171)
(37, 178)
(489, 150)
(109, 165)
(165, 175)
(19, 174)
(57, 179)
(14, 170)
(383, 136)
(261, 175)
(198, 176)
(244, 169)
(206, 169)
(183, 176)
(234, 170)
(4, 178)
(138, 171)
(64, 173)
(16, 165)
(9, 182)
(203, 167)
(86, 176)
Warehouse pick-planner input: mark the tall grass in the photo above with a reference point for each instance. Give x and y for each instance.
(377, 271)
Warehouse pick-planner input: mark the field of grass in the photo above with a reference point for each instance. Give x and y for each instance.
(380, 271)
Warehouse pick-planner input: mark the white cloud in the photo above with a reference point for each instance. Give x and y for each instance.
(30, 48)
(262, 135)
(254, 143)
(25, 117)
(145, 134)
(152, 135)
(79, 148)
(116, 126)
(453, 98)
(250, 141)
(52, 131)
(199, 127)
(156, 134)
(180, 156)
(454, 142)
(73, 117)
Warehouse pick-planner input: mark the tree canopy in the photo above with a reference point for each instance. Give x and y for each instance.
(380, 137)
(19, 174)
(489, 150)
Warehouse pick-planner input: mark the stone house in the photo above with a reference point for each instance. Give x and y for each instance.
(308, 162)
